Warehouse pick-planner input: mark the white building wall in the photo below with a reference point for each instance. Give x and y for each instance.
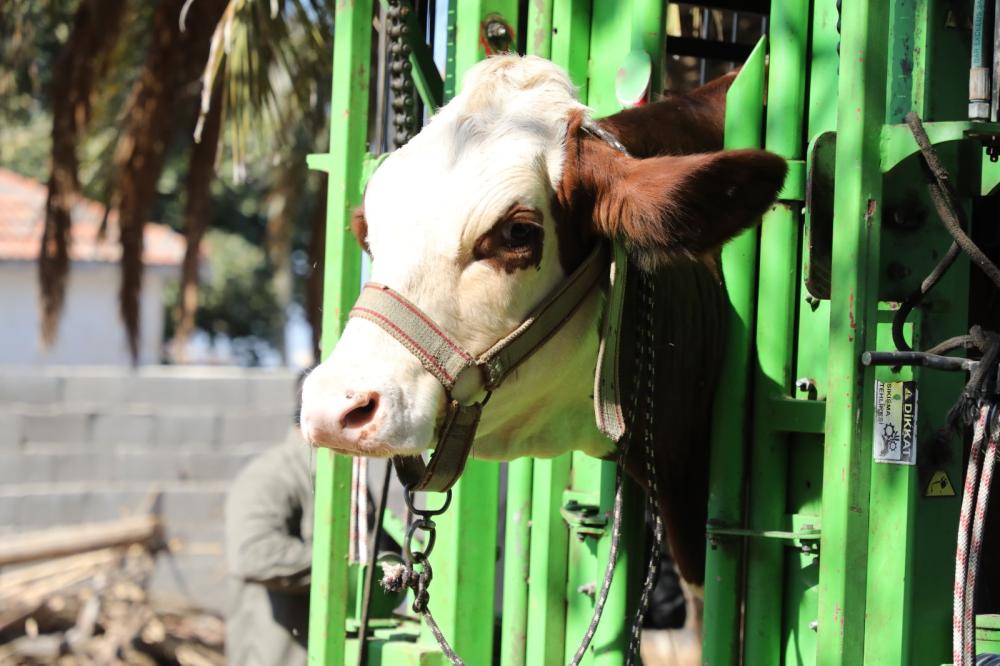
(91, 331)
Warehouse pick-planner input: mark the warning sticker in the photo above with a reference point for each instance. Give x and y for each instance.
(895, 422)
(939, 485)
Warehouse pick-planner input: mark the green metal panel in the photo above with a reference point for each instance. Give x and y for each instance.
(744, 121)
(517, 553)
(349, 103)
(547, 568)
(777, 292)
(857, 211)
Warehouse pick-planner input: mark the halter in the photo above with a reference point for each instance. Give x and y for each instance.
(447, 361)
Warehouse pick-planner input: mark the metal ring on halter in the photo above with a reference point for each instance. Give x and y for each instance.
(409, 555)
(426, 513)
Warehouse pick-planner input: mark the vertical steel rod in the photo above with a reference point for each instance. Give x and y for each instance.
(857, 217)
(348, 137)
(724, 561)
(774, 339)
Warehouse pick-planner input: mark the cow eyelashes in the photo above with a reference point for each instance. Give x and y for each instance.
(517, 235)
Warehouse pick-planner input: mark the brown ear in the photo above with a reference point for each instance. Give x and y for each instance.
(359, 227)
(672, 205)
(691, 205)
(679, 123)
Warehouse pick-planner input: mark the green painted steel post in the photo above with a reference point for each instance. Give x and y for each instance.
(348, 136)
(547, 566)
(724, 561)
(777, 292)
(516, 563)
(857, 211)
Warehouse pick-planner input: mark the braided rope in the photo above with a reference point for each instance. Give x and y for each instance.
(396, 577)
(616, 519)
(961, 615)
(978, 522)
(648, 354)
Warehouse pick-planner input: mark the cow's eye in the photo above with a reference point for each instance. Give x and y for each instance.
(520, 234)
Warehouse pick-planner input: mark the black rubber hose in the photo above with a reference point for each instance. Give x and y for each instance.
(946, 201)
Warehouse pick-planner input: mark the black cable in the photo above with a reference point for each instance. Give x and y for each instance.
(945, 200)
(373, 540)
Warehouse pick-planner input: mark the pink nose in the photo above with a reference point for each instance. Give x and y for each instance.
(346, 423)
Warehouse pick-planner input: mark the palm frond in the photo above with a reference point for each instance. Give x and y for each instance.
(272, 56)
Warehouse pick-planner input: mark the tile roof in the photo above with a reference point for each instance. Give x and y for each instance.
(22, 217)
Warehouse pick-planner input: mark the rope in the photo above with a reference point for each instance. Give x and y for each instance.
(646, 359)
(396, 577)
(970, 536)
(978, 521)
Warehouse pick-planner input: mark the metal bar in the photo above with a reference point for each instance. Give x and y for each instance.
(547, 566)
(854, 279)
(774, 339)
(540, 18)
(571, 41)
(516, 561)
(724, 560)
(348, 137)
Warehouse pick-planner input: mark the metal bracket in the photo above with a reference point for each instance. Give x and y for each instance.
(805, 538)
(583, 515)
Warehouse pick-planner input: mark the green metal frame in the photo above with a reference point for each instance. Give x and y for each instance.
(816, 554)
(876, 588)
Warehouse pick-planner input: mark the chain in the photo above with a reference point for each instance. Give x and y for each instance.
(415, 572)
(404, 118)
(644, 370)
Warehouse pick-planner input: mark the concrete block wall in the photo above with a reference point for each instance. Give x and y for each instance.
(90, 444)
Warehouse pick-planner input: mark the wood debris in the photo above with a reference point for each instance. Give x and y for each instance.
(89, 604)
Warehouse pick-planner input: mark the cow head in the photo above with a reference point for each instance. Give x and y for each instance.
(476, 220)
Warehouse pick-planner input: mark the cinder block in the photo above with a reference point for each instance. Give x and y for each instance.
(96, 389)
(10, 431)
(274, 392)
(185, 429)
(119, 428)
(191, 391)
(16, 468)
(216, 466)
(254, 428)
(56, 427)
(30, 388)
(148, 465)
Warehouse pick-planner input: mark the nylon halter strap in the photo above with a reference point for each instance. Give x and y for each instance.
(446, 360)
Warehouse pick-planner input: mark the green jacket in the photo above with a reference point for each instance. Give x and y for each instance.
(268, 557)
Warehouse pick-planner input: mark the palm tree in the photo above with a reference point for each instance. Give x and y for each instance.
(264, 69)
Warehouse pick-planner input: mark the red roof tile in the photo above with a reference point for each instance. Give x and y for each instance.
(22, 217)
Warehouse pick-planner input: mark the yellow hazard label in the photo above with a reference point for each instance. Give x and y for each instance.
(939, 485)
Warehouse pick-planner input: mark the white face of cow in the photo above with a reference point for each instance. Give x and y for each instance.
(461, 222)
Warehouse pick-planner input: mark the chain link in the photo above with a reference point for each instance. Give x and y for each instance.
(404, 119)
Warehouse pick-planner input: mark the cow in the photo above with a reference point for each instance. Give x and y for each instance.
(488, 209)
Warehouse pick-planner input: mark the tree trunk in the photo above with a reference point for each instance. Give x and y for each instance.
(81, 64)
(197, 211)
(171, 70)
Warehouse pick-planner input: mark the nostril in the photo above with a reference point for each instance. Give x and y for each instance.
(362, 414)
